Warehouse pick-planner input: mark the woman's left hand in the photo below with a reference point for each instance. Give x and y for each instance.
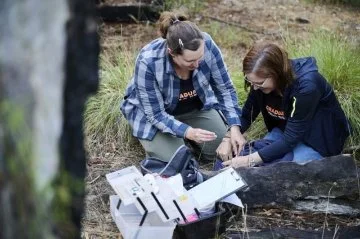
(238, 162)
(244, 161)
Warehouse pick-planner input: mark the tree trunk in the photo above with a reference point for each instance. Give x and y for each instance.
(48, 66)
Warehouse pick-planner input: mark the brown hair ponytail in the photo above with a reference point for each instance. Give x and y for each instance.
(179, 33)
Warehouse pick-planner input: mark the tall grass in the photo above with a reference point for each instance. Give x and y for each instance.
(103, 119)
(338, 60)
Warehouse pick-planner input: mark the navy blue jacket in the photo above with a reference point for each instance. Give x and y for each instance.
(312, 112)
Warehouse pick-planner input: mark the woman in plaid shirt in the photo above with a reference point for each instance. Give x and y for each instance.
(181, 92)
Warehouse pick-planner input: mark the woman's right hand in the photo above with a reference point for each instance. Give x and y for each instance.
(200, 135)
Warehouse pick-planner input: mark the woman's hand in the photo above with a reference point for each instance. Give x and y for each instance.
(224, 149)
(238, 162)
(200, 135)
(244, 161)
(237, 139)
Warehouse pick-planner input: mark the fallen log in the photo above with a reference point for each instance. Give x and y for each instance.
(129, 13)
(328, 185)
(350, 232)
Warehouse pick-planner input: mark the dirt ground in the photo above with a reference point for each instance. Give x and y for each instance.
(260, 19)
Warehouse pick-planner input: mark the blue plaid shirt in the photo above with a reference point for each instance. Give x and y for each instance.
(154, 90)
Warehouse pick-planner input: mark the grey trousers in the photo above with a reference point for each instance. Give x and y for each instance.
(163, 146)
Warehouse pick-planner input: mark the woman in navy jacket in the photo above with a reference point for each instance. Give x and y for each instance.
(299, 107)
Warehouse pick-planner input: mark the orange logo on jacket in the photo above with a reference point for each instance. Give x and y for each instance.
(275, 113)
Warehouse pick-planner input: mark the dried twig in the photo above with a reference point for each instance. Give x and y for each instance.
(235, 24)
(326, 213)
(94, 180)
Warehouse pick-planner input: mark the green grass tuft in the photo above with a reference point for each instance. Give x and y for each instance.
(103, 121)
(337, 58)
(351, 106)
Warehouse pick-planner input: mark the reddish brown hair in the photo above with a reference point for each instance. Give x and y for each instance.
(268, 60)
